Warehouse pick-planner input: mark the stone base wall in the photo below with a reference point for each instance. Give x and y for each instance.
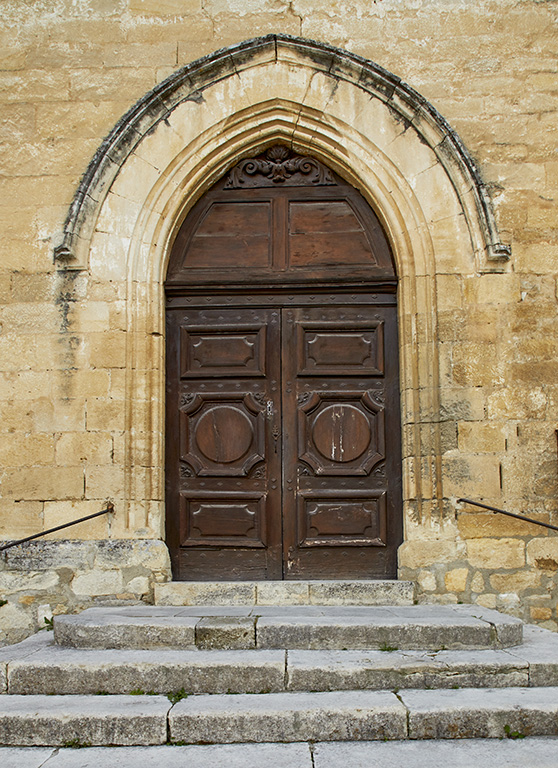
(43, 578)
(515, 572)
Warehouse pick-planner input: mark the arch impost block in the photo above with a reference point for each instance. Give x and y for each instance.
(189, 84)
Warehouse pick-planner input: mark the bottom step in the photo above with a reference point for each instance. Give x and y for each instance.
(278, 717)
(474, 753)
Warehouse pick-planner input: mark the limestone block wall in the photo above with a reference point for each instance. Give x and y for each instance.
(81, 345)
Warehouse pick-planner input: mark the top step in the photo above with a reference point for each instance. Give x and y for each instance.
(285, 593)
(290, 627)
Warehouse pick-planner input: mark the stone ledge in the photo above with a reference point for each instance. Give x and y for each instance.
(91, 720)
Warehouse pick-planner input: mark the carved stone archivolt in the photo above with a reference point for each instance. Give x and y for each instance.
(279, 166)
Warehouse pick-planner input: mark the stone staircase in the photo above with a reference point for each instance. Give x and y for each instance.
(310, 674)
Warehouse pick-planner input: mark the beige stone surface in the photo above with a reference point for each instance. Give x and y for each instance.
(518, 581)
(481, 437)
(496, 553)
(97, 582)
(543, 553)
(480, 525)
(417, 554)
(471, 475)
(477, 582)
(456, 580)
(57, 513)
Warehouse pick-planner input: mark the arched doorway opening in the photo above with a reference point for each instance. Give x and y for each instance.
(283, 457)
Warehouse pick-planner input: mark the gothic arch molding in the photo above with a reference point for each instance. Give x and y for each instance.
(190, 84)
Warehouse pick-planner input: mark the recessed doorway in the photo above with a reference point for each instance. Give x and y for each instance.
(283, 456)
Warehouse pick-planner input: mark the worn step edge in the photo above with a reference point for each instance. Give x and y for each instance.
(75, 671)
(366, 715)
(83, 720)
(279, 717)
(37, 665)
(56, 670)
(357, 634)
(410, 627)
(340, 592)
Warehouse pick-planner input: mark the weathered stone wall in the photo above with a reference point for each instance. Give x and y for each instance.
(49, 577)
(76, 419)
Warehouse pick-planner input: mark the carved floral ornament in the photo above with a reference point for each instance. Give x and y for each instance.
(279, 166)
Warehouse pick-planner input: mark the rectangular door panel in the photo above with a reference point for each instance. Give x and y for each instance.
(209, 353)
(342, 519)
(223, 520)
(324, 349)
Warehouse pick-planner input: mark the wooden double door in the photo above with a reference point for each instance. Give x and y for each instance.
(283, 457)
(284, 439)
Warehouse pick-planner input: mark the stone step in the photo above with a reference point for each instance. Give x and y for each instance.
(73, 721)
(285, 593)
(365, 715)
(536, 752)
(38, 665)
(466, 713)
(421, 627)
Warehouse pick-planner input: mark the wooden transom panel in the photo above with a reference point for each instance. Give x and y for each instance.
(279, 232)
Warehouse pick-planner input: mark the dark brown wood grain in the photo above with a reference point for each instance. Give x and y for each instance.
(283, 454)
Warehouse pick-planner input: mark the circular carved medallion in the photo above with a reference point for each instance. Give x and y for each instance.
(341, 433)
(224, 434)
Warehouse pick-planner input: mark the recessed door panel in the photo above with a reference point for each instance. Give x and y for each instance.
(233, 520)
(222, 434)
(342, 519)
(324, 350)
(208, 352)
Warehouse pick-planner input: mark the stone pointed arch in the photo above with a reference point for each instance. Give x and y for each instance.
(190, 83)
(364, 123)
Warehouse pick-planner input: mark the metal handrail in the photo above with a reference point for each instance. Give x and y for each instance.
(107, 511)
(509, 514)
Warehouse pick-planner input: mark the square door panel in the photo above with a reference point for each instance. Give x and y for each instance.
(340, 434)
(221, 435)
(340, 520)
(227, 521)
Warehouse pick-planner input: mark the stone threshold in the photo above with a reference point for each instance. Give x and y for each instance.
(312, 592)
